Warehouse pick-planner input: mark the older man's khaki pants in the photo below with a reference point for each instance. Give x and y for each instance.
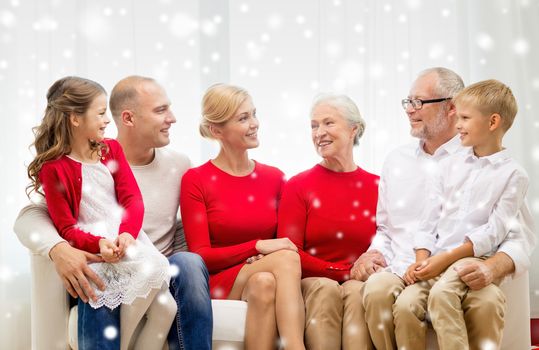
(334, 315)
(462, 318)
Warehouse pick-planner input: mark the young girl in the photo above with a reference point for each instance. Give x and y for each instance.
(96, 205)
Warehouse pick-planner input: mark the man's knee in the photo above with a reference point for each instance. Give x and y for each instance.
(409, 305)
(188, 265)
(382, 289)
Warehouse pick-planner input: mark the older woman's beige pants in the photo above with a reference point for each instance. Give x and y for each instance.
(396, 314)
(334, 315)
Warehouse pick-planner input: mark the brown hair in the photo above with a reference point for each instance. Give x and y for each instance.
(53, 136)
(489, 97)
(219, 104)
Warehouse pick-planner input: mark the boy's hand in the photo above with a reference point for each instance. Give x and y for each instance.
(109, 251)
(123, 241)
(432, 267)
(409, 276)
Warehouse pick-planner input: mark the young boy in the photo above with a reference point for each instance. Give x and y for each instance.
(477, 198)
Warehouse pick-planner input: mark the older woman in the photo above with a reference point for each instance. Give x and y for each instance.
(229, 211)
(328, 212)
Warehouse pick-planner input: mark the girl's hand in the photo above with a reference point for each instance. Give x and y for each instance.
(432, 267)
(123, 241)
(109, 251)
(267, 246)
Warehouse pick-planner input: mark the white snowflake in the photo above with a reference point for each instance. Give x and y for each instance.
(35, 237)
(488, 344)
(209, 28)
(275, 21)
(110, 332)
(485, 41)
(174, 270)
(244, 8)
(436, 51)
(163, 298)
(182, 25)
(107, 11)
(7, 19)
(521, 47)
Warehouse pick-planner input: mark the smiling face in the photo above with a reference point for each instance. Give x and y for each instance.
(431, 120)
(152, 115)
(474, 127)
(94, 122)
(240, 131)
(332, 134)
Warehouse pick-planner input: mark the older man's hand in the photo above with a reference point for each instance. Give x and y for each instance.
(367, 264)
(476, 274)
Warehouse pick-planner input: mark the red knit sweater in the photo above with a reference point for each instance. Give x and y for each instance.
(330, 216)
(224, 216)
(62, 184)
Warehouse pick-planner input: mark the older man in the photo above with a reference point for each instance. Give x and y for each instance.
(141, 110)
(403, 184)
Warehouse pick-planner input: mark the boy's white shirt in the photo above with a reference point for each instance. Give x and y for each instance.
(407, 174)
(480, 199)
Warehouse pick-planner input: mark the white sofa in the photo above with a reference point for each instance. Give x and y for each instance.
(54, 325)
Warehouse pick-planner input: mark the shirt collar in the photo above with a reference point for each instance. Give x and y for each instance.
(494, 158)
(450, 147)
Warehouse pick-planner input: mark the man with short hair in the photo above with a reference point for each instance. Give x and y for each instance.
(402, 196)
(141, 111)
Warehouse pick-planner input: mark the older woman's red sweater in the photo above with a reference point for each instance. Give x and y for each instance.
(330, 216)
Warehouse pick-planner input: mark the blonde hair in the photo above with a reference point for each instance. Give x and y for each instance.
(219, 104)
(347, 108)
(53, 136)
(489, 97)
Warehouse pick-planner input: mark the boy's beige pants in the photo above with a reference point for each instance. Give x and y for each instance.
(462, 318)
(334, 315)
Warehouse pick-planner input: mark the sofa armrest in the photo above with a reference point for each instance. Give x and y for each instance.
(49, 306)
(516, 333)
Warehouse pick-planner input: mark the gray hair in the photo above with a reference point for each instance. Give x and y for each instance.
(448, 84)
(347, 108)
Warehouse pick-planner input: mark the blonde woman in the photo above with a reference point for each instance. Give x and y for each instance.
(229, 211)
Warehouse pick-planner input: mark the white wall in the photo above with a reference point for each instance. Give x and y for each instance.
(283, 52)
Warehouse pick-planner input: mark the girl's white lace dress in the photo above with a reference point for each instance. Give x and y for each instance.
(143, 268)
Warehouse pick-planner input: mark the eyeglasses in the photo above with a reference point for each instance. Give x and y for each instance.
(418, 103)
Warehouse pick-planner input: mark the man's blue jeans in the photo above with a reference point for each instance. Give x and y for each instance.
(192, 328)
(98, 328)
